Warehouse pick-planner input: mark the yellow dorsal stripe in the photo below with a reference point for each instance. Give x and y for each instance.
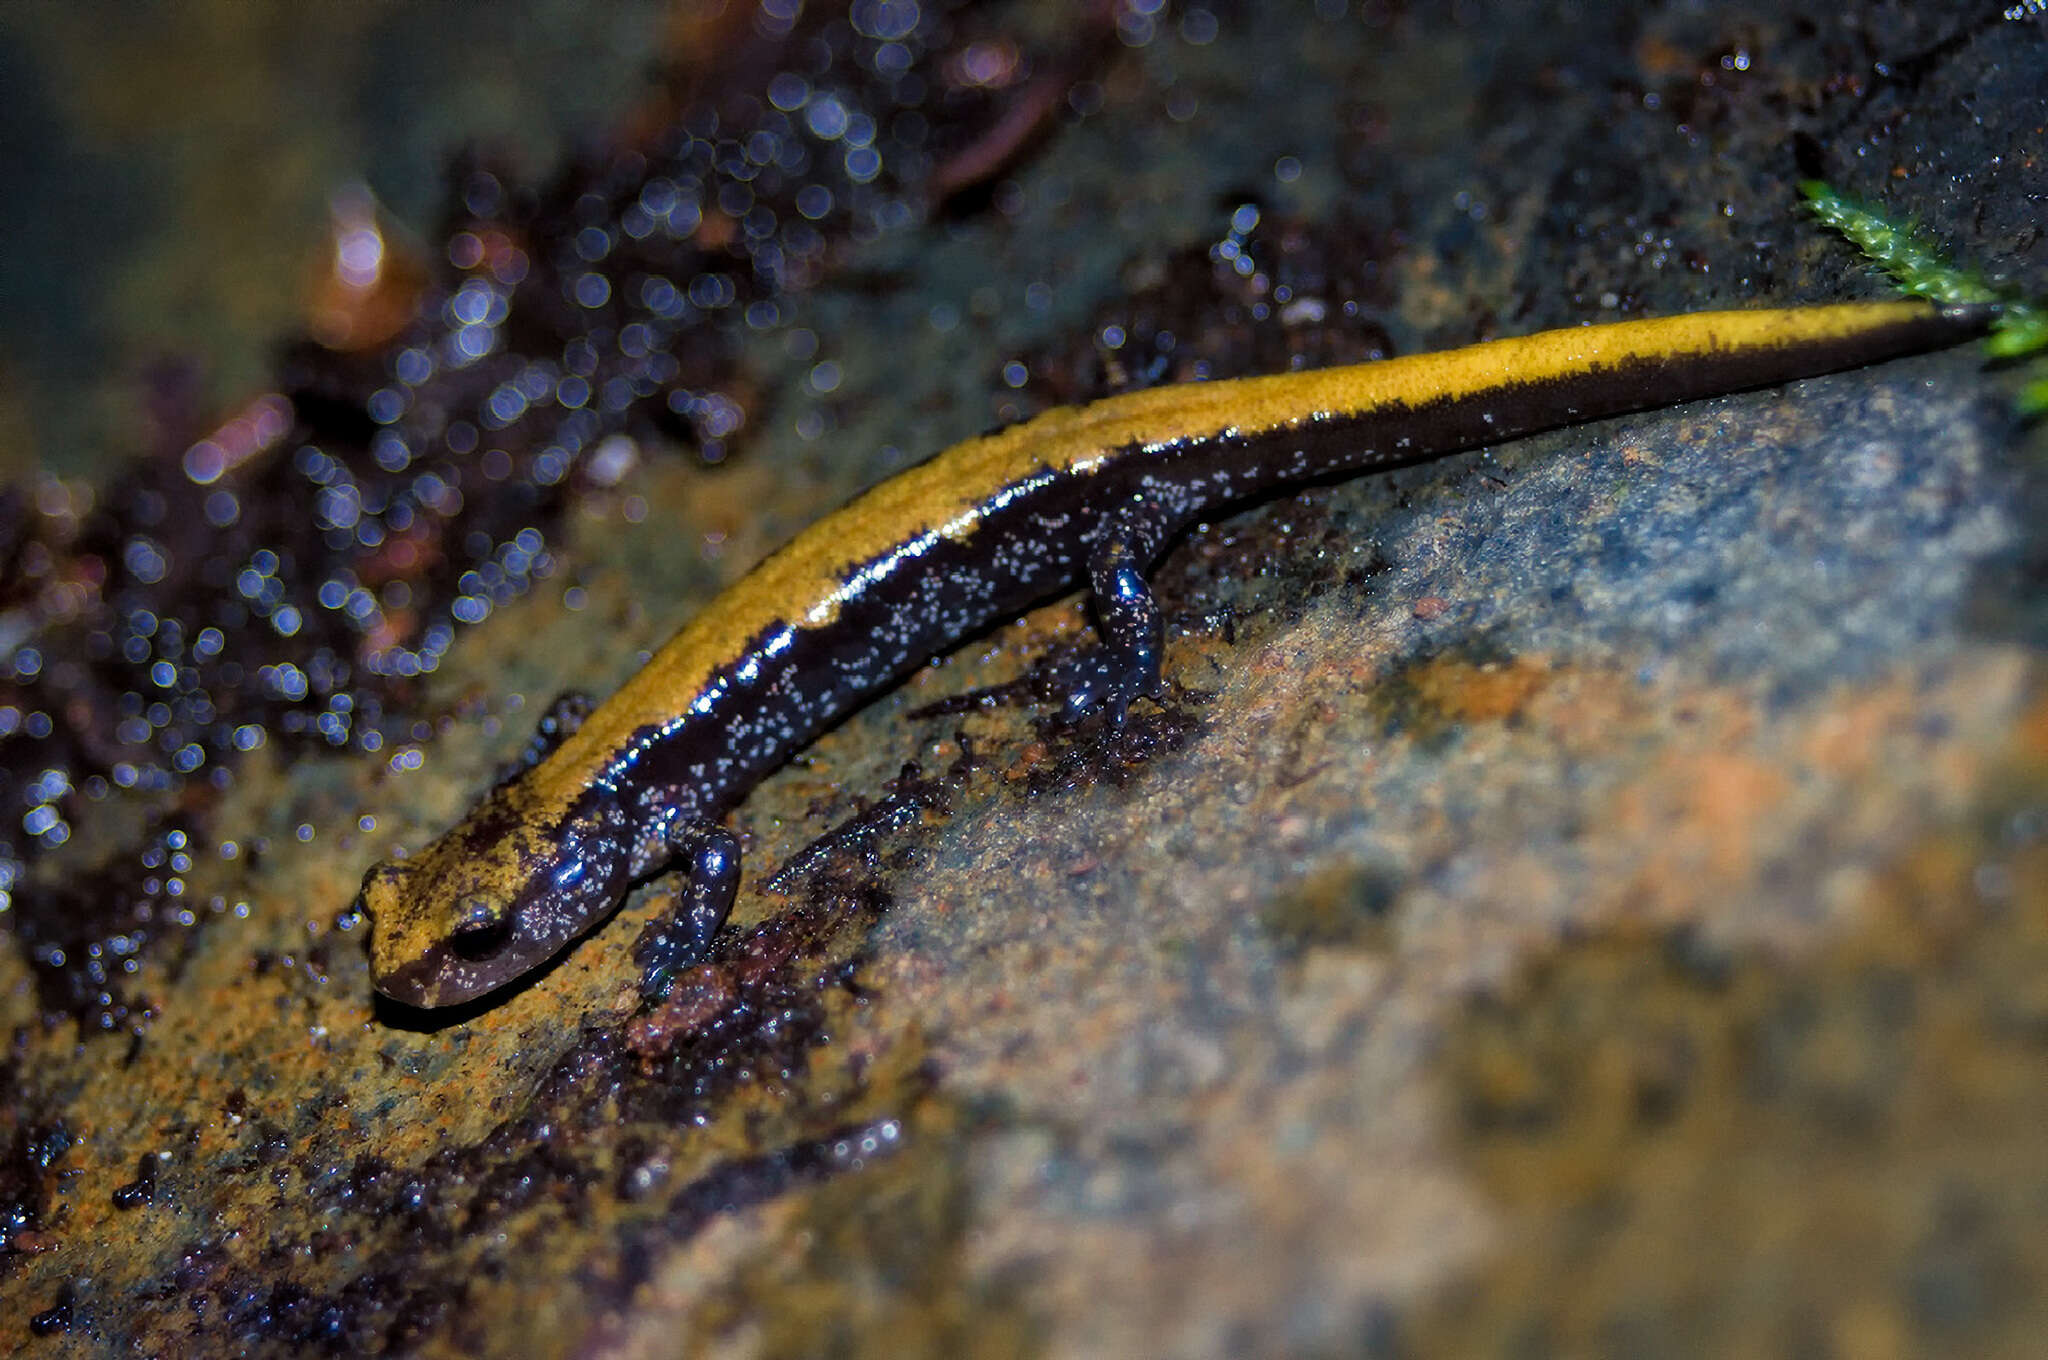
(948, 490)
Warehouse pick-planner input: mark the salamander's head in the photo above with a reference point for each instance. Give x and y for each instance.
(489, 902)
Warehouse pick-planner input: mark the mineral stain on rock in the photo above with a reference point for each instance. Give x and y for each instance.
(1711, 1148)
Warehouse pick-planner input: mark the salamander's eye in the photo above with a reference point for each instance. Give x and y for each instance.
(482, 928)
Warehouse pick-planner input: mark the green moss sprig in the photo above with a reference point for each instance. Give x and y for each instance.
(1921, 270)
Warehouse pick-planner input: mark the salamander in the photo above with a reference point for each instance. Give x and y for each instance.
(979, 532)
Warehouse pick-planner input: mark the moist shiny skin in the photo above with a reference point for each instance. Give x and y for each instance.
(973, 535)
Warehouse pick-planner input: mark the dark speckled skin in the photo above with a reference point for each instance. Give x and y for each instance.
(654, 789)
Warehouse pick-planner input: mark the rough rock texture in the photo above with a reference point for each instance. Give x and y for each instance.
(1584, 895)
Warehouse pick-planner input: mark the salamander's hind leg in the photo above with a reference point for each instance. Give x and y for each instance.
(1125, 665)
(683, 936)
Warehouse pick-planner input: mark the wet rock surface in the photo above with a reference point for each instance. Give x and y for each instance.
(1583, 894)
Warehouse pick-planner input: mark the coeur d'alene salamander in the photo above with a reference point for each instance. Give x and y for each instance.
(979, 532)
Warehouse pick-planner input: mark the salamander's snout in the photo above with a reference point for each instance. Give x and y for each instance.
(383, 885)
(449, 925)
(383, 899)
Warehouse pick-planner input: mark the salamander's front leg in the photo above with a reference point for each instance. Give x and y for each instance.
(556, 725)
(684, 935)
(1126, 663)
